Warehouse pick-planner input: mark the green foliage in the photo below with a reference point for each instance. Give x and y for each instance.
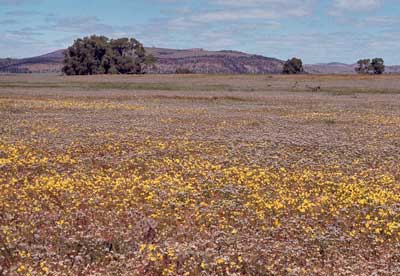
(363, 66)
(366, 66)
(293, 66)
(150, 59)
(100, 55)
(181, 70)
(378, 66)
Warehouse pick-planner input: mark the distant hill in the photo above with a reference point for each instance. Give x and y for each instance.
(48, 63)
(202, 61)
(195, 60)
(168, 60)
(330, 68)
(342, 68)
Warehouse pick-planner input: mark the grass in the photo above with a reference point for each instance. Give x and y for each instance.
(333, 85)
(95, 86)
(329, 121)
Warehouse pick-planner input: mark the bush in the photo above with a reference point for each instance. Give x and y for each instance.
(293, 66)
(183, 71)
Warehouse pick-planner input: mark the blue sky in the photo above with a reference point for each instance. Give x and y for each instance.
(316, 31)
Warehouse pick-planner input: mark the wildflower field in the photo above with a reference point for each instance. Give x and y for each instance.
(199, 175)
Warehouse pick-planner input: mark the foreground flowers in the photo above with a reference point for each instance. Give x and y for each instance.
(102, 195)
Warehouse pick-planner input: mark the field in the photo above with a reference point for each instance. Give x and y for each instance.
(200, 175)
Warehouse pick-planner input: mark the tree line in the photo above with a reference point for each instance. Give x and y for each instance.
(364, 66)
(367, 66)
(101, 55)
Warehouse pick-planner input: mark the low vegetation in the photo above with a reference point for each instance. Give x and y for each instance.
(181, 70)
(131, 182)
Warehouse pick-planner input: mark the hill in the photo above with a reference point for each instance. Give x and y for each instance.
(168, 60)
(48, 63)
(342, 68)
(202, 61)
(330, 68)
(195, 60)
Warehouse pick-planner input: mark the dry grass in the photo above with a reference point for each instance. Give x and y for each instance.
(201, 175)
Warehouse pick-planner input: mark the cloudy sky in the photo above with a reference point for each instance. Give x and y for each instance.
(316, 31)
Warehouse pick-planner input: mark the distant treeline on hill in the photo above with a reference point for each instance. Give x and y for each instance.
(100, 55)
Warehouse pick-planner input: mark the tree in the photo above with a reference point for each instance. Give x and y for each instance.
(293, 66)
(366, 66)
(129, 55)
(378, 66)
(363, 66)
(99, 55)
(86, 56)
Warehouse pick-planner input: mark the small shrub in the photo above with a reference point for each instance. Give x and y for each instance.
(181, 70)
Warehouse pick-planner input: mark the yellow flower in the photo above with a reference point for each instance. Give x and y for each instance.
(220, 261)
(21, 269)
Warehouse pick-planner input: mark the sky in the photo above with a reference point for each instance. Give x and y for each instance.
(316, 31)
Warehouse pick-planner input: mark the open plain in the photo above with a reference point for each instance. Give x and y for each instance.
(200, 175)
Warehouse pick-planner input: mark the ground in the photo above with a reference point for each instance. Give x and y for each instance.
(200, 175)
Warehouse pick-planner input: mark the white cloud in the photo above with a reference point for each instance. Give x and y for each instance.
(263, 9)
(381, 21)
(232, 10)
(234, 15)
(356, 5)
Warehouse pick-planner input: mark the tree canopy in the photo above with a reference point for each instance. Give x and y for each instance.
(378, 66)
(366, 66)
(363, 66)
(100, 55)
(293, 66)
